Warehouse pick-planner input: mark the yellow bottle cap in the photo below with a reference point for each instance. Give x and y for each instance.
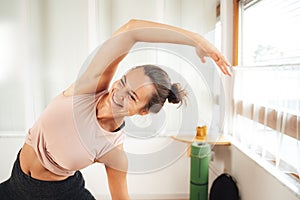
(201, 132)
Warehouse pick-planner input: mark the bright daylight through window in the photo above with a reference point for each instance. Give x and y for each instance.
(267, 83)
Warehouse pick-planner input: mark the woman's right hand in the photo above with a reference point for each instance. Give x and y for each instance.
(205, 49)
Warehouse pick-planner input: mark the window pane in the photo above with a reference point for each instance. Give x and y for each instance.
(272, 87)
(271, 30)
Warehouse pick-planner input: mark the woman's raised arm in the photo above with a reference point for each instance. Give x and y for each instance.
(103, 65)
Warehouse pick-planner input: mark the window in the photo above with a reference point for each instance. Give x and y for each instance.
(267, 83)
(271, 32)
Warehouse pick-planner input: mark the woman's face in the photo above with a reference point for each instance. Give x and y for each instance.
(131, 93)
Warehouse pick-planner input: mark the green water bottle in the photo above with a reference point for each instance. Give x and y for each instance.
(200, 158)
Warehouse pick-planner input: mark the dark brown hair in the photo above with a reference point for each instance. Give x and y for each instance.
(164, 88)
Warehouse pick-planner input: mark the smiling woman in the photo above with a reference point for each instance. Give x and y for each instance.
(82, 124)
(131, 94)
(148, 93)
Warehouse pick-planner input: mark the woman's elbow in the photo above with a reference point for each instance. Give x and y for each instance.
(131, 24)
(127, 27)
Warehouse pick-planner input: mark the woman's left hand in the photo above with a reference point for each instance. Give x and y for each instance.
(206, 49)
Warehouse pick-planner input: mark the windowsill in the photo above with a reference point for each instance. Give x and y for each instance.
(287, 181)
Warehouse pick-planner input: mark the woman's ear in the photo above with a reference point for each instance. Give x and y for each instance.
(144, 111)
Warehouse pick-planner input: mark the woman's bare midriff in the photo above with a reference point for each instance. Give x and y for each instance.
(31, 166)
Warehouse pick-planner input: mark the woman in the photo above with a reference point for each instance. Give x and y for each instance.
(82, 125)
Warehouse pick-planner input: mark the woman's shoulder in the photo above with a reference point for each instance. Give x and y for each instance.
(68, 92)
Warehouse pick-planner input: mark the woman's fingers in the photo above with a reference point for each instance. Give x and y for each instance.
(218, 58)
(222, 63)
(203, 60)
(225, 69)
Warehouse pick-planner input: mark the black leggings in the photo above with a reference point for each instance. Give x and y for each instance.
(20, 186)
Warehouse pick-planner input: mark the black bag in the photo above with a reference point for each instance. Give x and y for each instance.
(224, 187)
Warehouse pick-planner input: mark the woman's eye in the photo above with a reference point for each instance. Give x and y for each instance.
(132, 97)
(122, 82)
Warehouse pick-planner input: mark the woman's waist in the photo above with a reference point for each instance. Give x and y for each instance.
(31, 165)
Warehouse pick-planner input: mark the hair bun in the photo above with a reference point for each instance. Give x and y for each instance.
(176, 94)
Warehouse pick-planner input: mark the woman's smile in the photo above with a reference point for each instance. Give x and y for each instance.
(116, 100)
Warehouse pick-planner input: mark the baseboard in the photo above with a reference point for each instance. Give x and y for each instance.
(180, 196)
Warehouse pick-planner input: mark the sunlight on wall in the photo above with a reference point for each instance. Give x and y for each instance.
(7, 48)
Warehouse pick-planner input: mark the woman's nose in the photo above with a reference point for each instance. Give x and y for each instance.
(123, 92)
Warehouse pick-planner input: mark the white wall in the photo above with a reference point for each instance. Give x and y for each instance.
(65, 36)
(10, 147)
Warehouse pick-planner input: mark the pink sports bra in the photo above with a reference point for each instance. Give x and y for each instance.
(67, 136)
